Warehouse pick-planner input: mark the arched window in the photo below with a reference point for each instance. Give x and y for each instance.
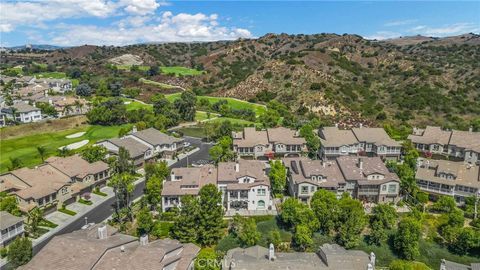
(261, 204)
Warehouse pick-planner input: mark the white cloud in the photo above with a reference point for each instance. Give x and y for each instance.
(381, 35)
(33, 12)
(6, 27)
(446, 30)
(399, 22)
(182, 27)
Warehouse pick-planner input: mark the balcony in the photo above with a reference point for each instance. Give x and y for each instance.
(11, 233)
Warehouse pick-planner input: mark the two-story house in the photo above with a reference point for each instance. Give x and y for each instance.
(84, 176)
(305, 176)
(372, 180)
(286, 142)
(452, 178)
(186, 181)
(23, 113)
(251, 143)
(10, 227)
(145, 145)
(57, 85)
(44, 187)
(361, 141)
(265, 144)
(245, 186)
(59, 181)
(459, 145)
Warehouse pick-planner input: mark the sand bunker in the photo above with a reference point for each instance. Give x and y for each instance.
(75, 135)
(76, 145)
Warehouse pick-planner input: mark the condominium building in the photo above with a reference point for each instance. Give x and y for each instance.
(361, 141)
(451, 178)
(459, 145)
(10, 227)
(268, 143)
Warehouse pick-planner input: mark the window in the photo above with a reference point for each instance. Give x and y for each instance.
(261, 204)
(304, 190)
(312, 189)
(384, 188)
(261, 191)
(392, 188)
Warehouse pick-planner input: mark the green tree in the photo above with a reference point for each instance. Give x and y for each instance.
(9, 204)
(153, 191)
(42, 152)
(207, 259)
(185, 228)
(385, 214)
(64, 152)
(144, 221)
(313, 141)
(274, 237)
(278, 177)
(295, 213)
(407, 237)
(122, 184)
(222, 151)
(467, 240)
(406, 265)
(378, 234)
(94, 153)
(246, 230)
(19, 252)
(34, 218)
(185, 105)
(270, 118)
(302, 237)
(445, 204)
(123, 164)
(15, 163)
(157, 169)
(325, 206)
(351, 221)
(210, 218)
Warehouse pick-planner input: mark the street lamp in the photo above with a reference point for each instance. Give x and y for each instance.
(86, 220)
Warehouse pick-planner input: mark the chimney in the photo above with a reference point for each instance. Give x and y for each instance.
(102, 231)
(271, 252)
(134, 129)
(237, 167)
(50, 101)
(360, 163)
(144, 240)
(372, 258)
(361, 125)
(443, 265)
(369, 266)
(172, 176)
(209, 170)
(470, 129)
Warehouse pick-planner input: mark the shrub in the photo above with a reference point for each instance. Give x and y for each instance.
(66, 211)
(3, 252)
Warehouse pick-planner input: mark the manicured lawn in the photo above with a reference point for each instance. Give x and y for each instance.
(193, 132)
(25, 148)
(55, 75)
(234, 121)
(83, 201)
(158, 84)
(135, 105)
(99, 193)
(233, 103)
(181, 71)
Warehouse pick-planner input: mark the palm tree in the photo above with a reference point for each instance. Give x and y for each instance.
(33, 219)
(14, 114)
(15, 163)
(63, 152)
(42, 152)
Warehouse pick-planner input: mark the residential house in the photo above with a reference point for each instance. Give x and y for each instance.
(448, 265)
(10, 227)
(65, 105)
(451, 178)
(23, 113)
(44, 187)
(251, 143)
(59, 181)
(101, 247)
(245, 186)
(186, 181)
(305, 176)
(329, 256)
(361, 141)
(286, 141)
(145, 145)
(459, 145)
(57, 85)
(369, 180)
(84, 176)
(31, 91)
(266, 143)
(376, 142)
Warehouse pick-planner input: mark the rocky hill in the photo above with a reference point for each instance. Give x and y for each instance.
(416, 80)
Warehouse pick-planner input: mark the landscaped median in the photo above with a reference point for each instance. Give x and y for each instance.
(66, 211)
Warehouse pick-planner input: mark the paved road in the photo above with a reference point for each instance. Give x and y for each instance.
(104, 210)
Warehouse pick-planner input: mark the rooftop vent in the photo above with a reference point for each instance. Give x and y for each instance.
(102, 232)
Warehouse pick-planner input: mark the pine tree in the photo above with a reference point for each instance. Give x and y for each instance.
(185, 229)
(210, 220)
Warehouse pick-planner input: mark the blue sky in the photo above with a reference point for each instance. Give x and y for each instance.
(121, 22)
